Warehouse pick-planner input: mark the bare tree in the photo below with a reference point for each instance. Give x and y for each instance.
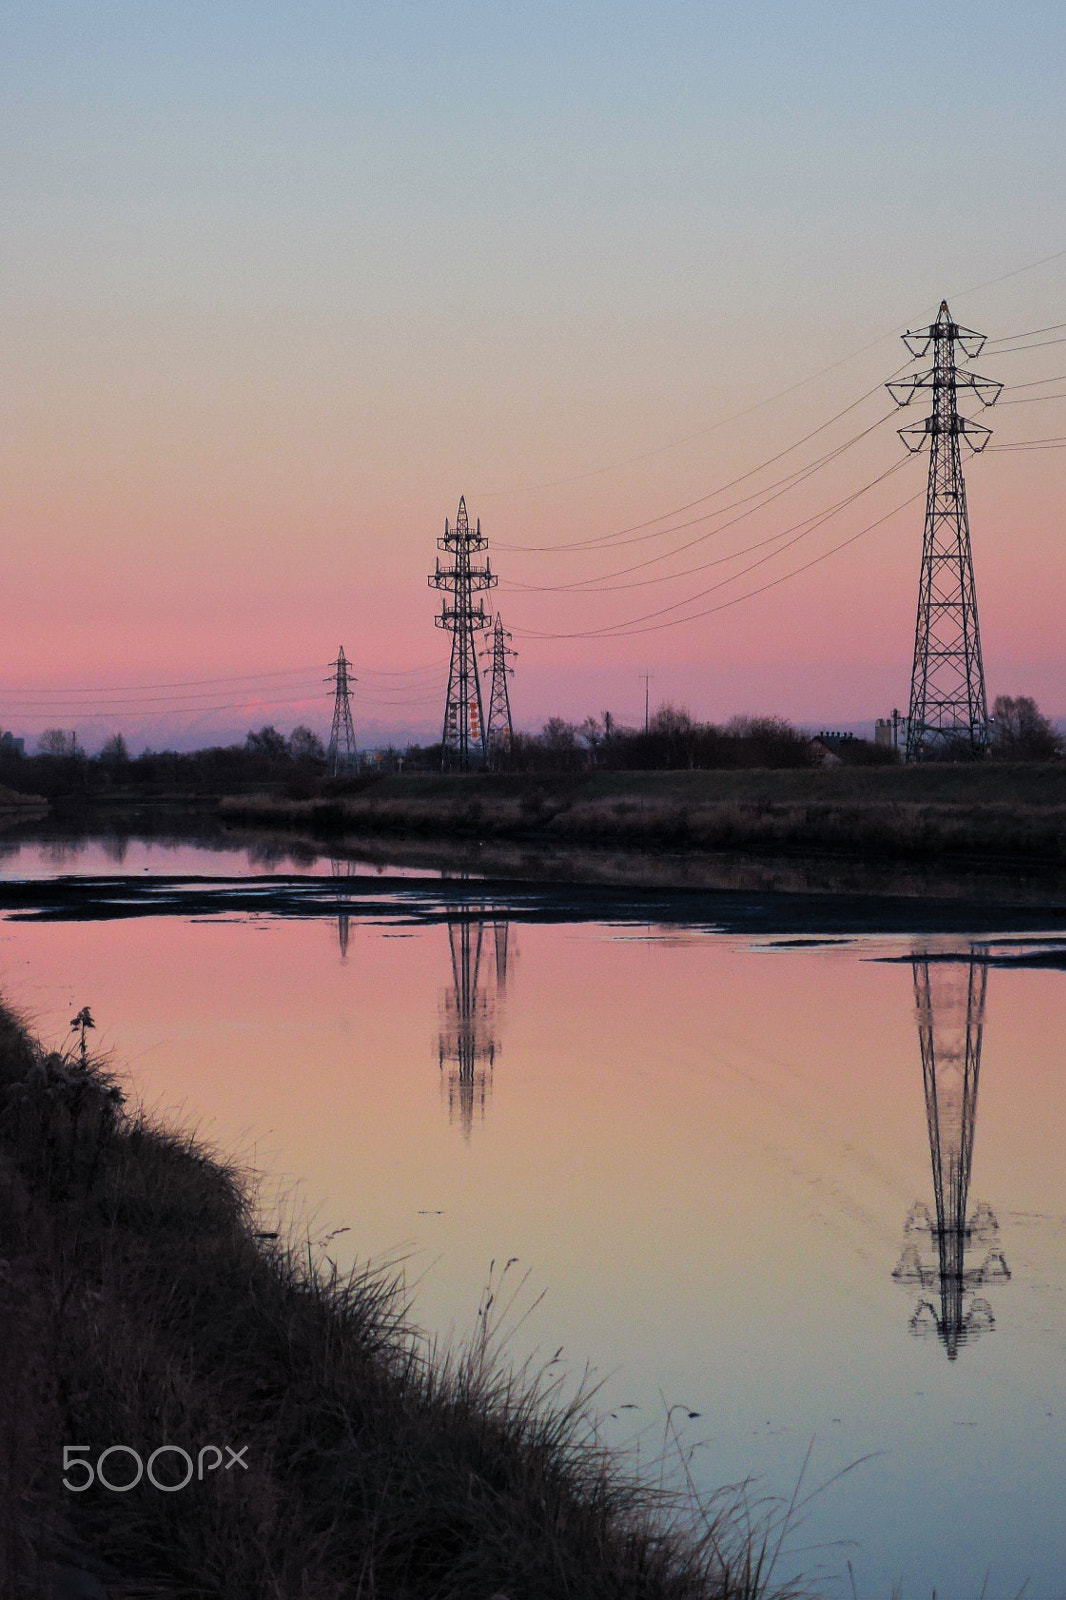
(305, 745)
(114, 751)
(1021, 732)
(58, 742)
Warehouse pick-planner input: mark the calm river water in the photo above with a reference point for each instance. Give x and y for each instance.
(808, 1197)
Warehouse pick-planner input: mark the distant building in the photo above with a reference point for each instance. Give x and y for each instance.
(891, 732)
(11, 746)
(832, 741)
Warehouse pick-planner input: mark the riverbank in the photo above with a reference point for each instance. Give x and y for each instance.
(13, 804)
(140, 1306)
(994, 812)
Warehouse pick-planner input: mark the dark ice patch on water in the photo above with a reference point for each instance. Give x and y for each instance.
(425, 901)
(1048, 957)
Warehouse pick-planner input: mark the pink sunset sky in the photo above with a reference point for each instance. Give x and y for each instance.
(280, 286)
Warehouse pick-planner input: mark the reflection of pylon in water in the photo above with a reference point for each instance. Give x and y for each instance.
(501, 931)
(342, 869)
(467, 1044)
(941, 1256)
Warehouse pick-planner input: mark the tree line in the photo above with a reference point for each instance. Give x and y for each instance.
(672, 740)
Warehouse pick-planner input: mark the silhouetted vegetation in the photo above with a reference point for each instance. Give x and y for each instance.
(139, 1306)
(1021, 732)
(673, 741)
(62, 768)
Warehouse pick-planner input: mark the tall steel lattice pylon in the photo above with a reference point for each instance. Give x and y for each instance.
(499, 731)
(341, 755)
(942, 1254)
(948, 715)
(463, 741)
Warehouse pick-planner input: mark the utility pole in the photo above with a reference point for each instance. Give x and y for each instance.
(948, 713)
(646, 676)
(463, 739)
(499, 731)
(341, 753)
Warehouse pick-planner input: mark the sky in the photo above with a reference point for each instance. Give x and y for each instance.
(283, 281)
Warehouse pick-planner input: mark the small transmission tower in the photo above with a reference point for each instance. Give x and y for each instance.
(463, 739)
(341, 754)
(499, 733)
(948, 710)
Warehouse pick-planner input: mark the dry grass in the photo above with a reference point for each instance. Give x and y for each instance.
(139, 1307)
(903, 829)
(919, 814)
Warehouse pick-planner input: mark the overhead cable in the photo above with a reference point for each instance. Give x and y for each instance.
(598, 586)
(618, 536)
(633, 624)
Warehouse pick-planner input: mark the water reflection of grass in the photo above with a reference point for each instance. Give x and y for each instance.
(139, 1307)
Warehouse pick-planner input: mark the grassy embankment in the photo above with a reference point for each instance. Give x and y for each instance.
(991, 810)
(12, 803)
(138, 1306)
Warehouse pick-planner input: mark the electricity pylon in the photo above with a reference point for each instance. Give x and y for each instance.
(499, 731)
(466, 1042)
(948, 710)
(463, 738)
(938, 1256)
(343, 869)
(341, 754)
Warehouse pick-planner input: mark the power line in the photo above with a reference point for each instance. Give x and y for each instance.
(724, 605)
(597, 585)
(635, 528)
(1034, 383)
(136, 688)
(1029, 333)
(1054, 443)
(1041, 344)
(634, 624)
(676, 444)
(175, 710)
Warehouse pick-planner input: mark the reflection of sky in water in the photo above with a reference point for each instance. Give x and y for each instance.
(704, 1151)
(132, 857)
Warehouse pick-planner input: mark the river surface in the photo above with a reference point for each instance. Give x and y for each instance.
(800, 1202)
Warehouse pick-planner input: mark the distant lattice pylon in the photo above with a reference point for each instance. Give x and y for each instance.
(948, 710)
(463, 738)
(341, 755)
(499, 731)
